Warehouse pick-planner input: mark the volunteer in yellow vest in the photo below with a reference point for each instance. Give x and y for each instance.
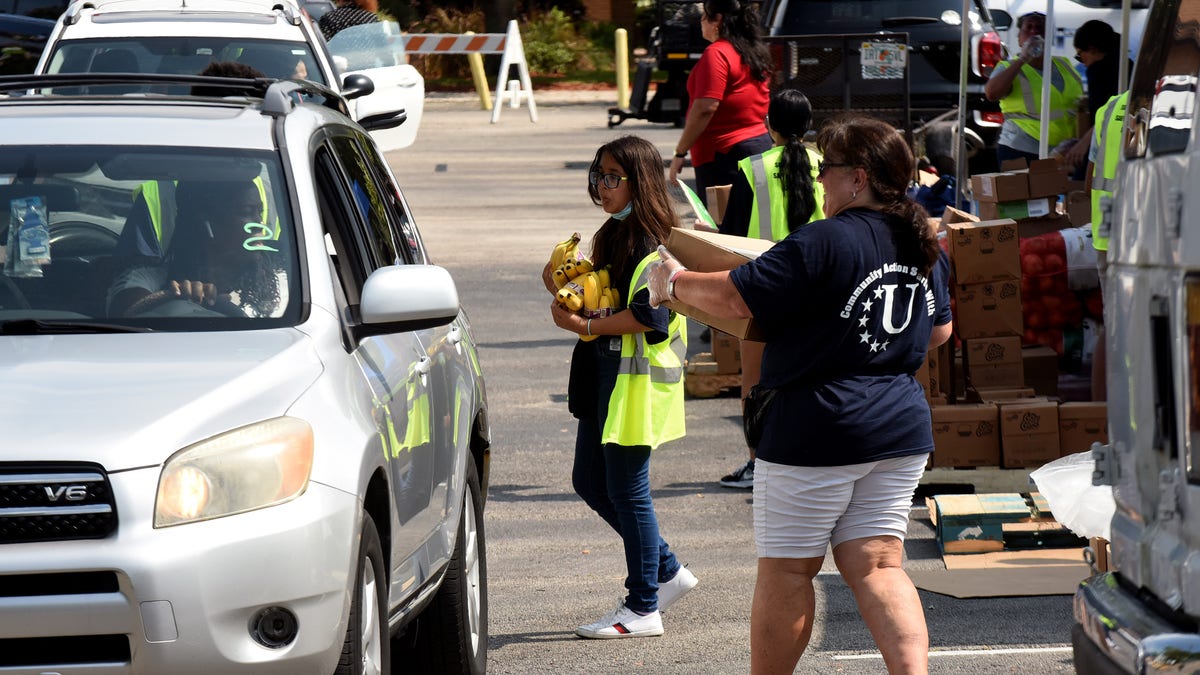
(1106, 151)
(626, 386)
(776, 193)
(159, 198)
(1017, 84)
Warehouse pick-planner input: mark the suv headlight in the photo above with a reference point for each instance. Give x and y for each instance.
(242, 470)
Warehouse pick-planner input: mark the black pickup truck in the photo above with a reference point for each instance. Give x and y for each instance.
(846, 55)
(819, 46)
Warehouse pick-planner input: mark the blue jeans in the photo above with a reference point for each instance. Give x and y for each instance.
(614, 481)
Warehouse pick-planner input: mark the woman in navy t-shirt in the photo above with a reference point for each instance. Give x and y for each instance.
(849, 305)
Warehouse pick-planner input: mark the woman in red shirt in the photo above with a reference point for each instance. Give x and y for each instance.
(728, 90)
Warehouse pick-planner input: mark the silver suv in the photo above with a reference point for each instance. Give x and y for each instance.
(245, 424)
(275, 37)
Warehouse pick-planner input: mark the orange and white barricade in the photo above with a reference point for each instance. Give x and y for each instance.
(508, 45)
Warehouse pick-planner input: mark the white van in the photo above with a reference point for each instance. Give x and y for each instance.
(1069, 15)
(1143, 614)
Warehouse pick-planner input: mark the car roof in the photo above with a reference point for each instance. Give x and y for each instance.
(112, 119)
(270, 20)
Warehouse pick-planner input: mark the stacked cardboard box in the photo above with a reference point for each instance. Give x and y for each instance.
(1025, 192)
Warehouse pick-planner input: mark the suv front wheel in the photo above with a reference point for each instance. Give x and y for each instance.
(366, 650)
(451, 635)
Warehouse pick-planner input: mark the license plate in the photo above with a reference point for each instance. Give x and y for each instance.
(883, 60)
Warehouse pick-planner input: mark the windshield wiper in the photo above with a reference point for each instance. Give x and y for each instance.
(65, 327)
(908, 20)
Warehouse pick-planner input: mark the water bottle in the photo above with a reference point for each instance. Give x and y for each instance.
(1034, 47)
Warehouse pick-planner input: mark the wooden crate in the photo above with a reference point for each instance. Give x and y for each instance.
(703, 378)
(980, 523)
(974, 523)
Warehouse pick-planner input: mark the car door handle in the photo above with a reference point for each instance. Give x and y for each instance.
(423, 366)
(455, 336)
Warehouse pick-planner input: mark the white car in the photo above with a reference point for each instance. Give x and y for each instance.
(275, 37)
(246, 427)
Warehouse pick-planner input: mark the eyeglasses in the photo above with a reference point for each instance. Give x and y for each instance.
(821, 166)
(610, 180)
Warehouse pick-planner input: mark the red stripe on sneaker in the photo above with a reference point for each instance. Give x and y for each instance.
(620, 628)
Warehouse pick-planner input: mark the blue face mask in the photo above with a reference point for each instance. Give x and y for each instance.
(624, 213)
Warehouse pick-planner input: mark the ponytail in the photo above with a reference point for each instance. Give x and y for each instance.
(795, 171)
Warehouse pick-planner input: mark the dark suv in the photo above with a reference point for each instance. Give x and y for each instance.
(836, 51)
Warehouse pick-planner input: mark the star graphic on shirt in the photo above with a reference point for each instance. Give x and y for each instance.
(874, 346)
(866, 305)
(866, 337)
(862, 320)
(883, 346)
(878, 293)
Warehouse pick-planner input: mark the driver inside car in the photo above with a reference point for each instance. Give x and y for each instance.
(222, 258)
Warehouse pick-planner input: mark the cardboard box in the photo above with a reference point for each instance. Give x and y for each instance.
(1047, 178)
(965, 435)
(1040, 367)
(1028, 433)
(1026, 208)
(1000, 187)
(974, 523)
(989, 309)
(1079, 208)
(999, 394)
(984, 251)
(933, 371)
(994, 362)
(1081, 424)
(1033, 227)
(712, 252)
(717, 197)
(952, 215)
(727, 352)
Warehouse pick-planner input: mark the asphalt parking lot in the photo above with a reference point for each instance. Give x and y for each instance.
(491, 200)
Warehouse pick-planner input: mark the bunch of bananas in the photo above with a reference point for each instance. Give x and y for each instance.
(580, 287)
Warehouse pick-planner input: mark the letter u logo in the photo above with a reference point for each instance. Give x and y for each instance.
(889, 291)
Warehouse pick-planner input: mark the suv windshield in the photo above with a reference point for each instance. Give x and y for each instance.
(183, 56)
(159, 238)
(818, 17)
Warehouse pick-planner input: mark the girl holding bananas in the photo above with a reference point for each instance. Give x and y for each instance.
(626, 387)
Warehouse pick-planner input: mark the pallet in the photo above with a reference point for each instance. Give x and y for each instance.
(703, 379)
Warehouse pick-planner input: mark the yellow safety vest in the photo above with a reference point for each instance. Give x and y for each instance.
(768, 210)
(151, 192)
(1023, 104)
(646, 406)
(1110, 121)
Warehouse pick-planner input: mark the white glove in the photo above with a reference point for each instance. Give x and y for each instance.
(662, 276)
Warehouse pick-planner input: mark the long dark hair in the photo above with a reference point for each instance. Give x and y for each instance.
(790, 116)
(741, 28)
(885, 156)
(650, 222)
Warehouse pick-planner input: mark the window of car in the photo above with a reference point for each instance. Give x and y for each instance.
(369, 199)
(1163, 91)
(90, 232)
(183, 56)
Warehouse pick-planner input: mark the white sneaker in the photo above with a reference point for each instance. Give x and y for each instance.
(623, 622)
(676, 588)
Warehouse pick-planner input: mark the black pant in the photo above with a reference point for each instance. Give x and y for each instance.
(723, 170)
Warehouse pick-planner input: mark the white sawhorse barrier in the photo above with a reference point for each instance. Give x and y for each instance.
(508, 45)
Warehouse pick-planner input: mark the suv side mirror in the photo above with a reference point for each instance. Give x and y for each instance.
(357, 86)
(1001, 19)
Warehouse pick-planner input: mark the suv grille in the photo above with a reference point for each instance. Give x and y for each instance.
(42, 502)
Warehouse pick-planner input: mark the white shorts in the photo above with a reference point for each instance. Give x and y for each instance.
(800, 510)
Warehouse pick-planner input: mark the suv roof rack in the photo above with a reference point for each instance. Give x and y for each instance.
(289, 10)
(279, 96)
